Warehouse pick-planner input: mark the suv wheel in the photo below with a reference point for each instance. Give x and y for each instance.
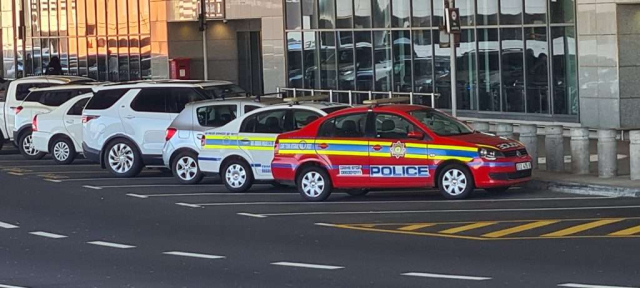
(62, 151)
(237, 176)
(314, 184)
(455, 182)
(185, 168)
(27, 149)
(122, 159)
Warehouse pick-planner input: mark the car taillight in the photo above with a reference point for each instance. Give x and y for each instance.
(34, 123)
(18, 109)
(87, 118)
(276, 147)
(170, 133)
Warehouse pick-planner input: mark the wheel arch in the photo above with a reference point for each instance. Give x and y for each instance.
(178, 151)
(111, 140)
(231, 157)
(446, 163)
(21, 131)
(56, 137)
(311, 163)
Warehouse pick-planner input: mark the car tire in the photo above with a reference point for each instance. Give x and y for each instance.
(455, 182)
(314, 184)
(122, 159)
(237, 176)
(497, 189)
(26, 147)
(357, 192)
(186, 169)
(62, 151)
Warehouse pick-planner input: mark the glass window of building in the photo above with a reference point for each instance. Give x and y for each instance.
(133, 17)
(467, 12)
(362, 9)
(123, 26)
(442, 66)
(294, 59)
(537, 64)
(401, 14)
(423, 61)
(381, 13)
(421, 13)
(123, 58)
(310, 60)
(134, 58)
(92, 23)
(466, 88)
(402, 61)
(328, 60)
(535, 11)
(292, 9)
(309, 14)
(488, 70)
(487, 12)
(327, 14)
(562, 11)
(364, 60)
(565, 89)
(510, 12)
(344, 14)
(382, 60)
(346, 69)
(82, 56)
(513, 97)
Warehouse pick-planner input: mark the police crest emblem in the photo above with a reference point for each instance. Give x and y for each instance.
(398, 150)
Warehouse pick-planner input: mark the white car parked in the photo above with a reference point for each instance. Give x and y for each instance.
(124, 125)
(241, 151)
(59, 132)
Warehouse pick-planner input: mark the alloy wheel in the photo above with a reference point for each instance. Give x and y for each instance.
(61, 151)
(121, 158)
(27, 146)
(186, 168)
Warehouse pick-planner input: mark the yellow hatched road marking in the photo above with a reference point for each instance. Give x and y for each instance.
(581, 227)
(415, 226)
(627, 232)
(520, 228)
(467, 227)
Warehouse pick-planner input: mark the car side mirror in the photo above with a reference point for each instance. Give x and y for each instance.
(415, 135)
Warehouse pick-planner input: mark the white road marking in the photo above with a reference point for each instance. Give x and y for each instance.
(307, 265)
(155, 185)
(53, 166)
(92, 187)
(576, 285)
(213, 194)
(16, 174)
(8, 226)
(10, 286)
(189, 205)
(446, 276)
(194, 255)
(137, 195)
(252, 215)
(325, 224)
(53, 180)
(449, 211)
(111, 244)
(114, 179)
(47, 234)
(63, 172)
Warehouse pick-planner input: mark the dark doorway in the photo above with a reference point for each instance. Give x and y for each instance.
(250, 62)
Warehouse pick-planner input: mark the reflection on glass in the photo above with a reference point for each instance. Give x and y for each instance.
(536, 59)
(362, 9)
(64, 55)
(134, 58)
(44, 17)
(327, 12)
(133, 17)
(294, 59)
(310, 60)
(82, 18)
(381, 13)
(101, 17)
(467, 12)
(73, 56)
(123, 59)
(562, 11)
(53, 18)
(46, 53)
(421, 13)
(364, 60)
(37, 57)
(382, 60)
(535, 11)
(62, 14)
(112, 59)
(293, 14)
(565, 89)
(346, 68)
(442, 66)
(438, 14)
(309, 14)
(73, 19)
(510, 12)
(35, 20)
(122, 17)
(401, 13)
(112, 22)
(344, 11)
(82, 56)
(402, 61)
(487, 12)
(488, 70)
(512, 70)
(28, 59)
(145, 61)
(423, 62)
(144, 17)
(466, 71)
(327, 60)
(92, 57)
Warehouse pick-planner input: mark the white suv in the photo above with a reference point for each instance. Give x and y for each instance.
(124, 125)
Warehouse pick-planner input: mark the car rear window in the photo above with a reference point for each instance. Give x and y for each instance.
(105, 98)
(54, 98)
(22, 90)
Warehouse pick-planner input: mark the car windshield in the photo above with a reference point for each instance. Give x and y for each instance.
(225, 91)
(440, 123)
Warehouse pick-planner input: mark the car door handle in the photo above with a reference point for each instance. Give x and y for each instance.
(129, 116)
(245, 141)
(377, 147)
(323, 145)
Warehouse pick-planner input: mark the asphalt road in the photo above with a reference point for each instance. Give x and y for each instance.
(76, 226)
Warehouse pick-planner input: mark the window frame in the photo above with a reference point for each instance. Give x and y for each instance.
(74, 106)
(235, 108)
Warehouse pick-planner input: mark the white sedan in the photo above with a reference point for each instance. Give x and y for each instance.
(59, 132)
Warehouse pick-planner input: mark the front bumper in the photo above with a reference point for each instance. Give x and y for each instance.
(489, 174)
(91, 154)
(167, 151)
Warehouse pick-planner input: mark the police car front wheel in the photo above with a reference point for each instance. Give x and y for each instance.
(455, 182)
(237, 176)
(314, 184)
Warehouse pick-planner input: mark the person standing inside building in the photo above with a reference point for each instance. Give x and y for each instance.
(54, 67)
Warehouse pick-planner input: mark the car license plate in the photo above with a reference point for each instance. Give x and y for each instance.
(523, 166)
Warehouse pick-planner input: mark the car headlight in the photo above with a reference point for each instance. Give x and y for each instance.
(490, 154)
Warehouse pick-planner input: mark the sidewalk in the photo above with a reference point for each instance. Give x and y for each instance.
(591, 184)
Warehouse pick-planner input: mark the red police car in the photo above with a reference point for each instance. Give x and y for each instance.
(396, 146)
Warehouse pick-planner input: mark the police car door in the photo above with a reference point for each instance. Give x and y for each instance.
(398, 153)
(257, 136)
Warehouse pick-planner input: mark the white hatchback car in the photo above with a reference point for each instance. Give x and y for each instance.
(124, 125)
(59, 132)
(241, 151)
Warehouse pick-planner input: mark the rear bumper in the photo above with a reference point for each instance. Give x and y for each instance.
(15, 138)
(91, 154)
(41, 141)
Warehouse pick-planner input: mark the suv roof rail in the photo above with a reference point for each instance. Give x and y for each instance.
(296, 100)
(377, 102)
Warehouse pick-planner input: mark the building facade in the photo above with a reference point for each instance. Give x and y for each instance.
(525, 60)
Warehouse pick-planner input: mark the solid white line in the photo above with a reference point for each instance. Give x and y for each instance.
(325, 224)
(307, 265)
(446, 276)
(16, 174)
(576, 285)
(216, 194)
(53, 166)
(47, 234)
(114, 179)
(8, 226)
(194, 255)
(110, 244)
(189, 205)
(156, 185)
(52, 180)
(10, 286)
(252, 215)
(92, 187)
(137, 195)
(63, 172)
(449, 211)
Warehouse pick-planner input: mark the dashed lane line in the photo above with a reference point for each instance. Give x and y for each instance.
(47, 234)
(208, 194)
(252, 215)
(111, 244)
(44, 166)
(92, 187)
(578, 285)
(8, 226)
(307, 265)
(114, 179)
(194, 255)
(189, 205)
(446, 276)
(150, 185)
(10, 286)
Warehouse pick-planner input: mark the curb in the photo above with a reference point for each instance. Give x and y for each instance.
(583, 189)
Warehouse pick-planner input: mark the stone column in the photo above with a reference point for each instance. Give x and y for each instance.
(607, 153)
(529, 137)
(554, 148)
(504, 130)
(634, 154)
(481, 126)
(580, 155)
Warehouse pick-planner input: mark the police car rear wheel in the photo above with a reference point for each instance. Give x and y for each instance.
(185, 168)
(314, 184)
(455, 182)
(237, 176)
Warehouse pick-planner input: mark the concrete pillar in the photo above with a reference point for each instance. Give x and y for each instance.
(607, 153)
(529, 137)
(554, 148)
(481, 126)
(580, 155)
(634, 150)
(504, 130)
